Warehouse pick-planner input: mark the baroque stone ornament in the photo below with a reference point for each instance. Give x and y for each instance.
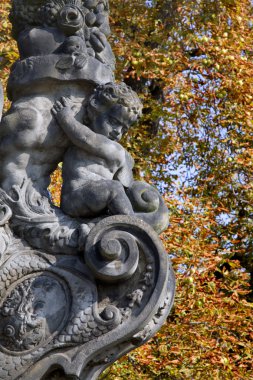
(84, 283)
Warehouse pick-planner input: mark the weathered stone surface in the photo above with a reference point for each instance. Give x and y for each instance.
(1, 100)
(92, 309)
(84, 283)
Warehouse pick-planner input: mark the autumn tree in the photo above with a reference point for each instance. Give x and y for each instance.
(191, 64)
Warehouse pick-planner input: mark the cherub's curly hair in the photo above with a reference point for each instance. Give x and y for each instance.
(111, 94)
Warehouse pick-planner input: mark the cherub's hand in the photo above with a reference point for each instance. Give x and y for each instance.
(97, 40)
(62, 109)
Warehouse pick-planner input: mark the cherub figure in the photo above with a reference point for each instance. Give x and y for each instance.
(97, 169)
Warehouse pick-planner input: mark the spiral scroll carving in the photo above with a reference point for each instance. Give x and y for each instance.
(149, 205)
(112, 255)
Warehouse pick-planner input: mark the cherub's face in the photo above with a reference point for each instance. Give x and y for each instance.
(114, 123)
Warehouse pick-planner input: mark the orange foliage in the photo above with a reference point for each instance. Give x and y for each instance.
(191, 63)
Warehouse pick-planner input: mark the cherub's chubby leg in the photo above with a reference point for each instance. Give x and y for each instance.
(96, 197)
(118, 200)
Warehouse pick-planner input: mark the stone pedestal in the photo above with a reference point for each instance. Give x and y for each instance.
(80, 314)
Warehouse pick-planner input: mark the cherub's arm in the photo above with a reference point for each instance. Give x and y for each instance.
(79, 134)
(125, 173)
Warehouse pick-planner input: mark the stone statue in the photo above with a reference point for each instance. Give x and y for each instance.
(83, 283)
(97, 168)
(1, 100)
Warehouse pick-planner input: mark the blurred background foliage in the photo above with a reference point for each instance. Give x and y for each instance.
(191, 63)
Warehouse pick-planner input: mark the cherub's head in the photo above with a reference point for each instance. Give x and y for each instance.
(112, 109)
